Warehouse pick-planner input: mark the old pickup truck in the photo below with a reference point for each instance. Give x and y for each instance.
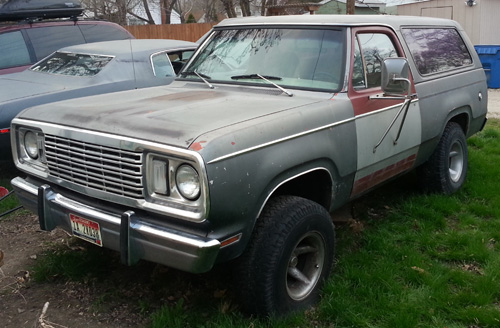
(273, 124)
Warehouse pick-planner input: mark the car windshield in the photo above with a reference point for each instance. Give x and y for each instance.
(296, 58)
(73, 64)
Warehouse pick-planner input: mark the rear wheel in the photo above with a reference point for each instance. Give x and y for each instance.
(288, 259)
(446, 169)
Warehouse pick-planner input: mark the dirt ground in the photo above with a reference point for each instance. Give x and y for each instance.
(108, 302)
(71, 304)
(111, 302)
(120, 296)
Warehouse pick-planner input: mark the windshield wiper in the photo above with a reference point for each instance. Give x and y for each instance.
(202, 76)
(255, 76)
(265, 78)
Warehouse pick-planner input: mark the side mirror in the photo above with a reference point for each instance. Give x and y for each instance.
(395, 74)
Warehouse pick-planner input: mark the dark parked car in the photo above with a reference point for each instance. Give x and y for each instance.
(89, 69)
(26, 38)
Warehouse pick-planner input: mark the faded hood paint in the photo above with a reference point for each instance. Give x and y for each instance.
(174, 116)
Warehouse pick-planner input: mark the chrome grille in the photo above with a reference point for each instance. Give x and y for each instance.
(104, 168)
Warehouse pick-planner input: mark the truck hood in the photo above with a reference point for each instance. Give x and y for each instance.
(174, 115)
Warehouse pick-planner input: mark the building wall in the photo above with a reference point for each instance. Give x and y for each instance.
(339, 8)
(480, 22)
(332, 8)
(490, 22)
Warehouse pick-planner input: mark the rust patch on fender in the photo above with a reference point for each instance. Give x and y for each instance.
(197, 146)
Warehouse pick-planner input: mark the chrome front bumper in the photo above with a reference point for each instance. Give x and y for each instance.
(127, 233)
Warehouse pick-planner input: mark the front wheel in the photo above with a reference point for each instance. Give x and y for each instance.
(288, 259)
(446, 169)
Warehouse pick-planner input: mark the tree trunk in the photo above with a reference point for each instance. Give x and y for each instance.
(122, 12)
(350, 7)
(245, 8)
(148, 12)
(167, 6)
(211, 11)
(229, 7)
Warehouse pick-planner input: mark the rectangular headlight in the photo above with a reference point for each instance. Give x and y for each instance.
(160, 177)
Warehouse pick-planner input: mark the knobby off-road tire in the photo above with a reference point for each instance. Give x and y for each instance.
(446, 169)
(289, 257)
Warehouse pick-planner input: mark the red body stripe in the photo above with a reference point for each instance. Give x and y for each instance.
(379, 176)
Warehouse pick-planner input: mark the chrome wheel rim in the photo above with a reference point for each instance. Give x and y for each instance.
(456, 161)
(305, 266)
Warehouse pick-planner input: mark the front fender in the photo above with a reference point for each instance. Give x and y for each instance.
(241, 183)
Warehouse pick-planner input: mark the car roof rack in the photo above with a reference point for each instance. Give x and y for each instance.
(32, 10)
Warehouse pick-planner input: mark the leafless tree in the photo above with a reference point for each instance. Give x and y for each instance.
(166, 7)
(350, 7)
(229, 8)
(212, 9)
(117, 10)
(263, 4)
(112, 10)
(121, 13)
(183, 8)
(245, 7)
(149, 17)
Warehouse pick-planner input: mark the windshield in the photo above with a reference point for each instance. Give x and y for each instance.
(300, 58)
(67, 63)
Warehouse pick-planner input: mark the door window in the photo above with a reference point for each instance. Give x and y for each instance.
(13, 50)
(179, 58)
(370, 51)
(161, 65)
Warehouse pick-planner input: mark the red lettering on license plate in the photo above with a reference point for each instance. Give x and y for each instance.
(86, 229)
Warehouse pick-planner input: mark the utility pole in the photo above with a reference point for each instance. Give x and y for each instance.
(350, 7)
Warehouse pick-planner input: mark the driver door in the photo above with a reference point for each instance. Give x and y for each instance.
(381, 154)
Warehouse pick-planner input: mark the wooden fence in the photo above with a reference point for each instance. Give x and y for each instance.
(187, 32)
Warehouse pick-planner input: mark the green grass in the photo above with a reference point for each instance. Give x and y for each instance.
(75, 263)
(432, 261)
(418, 261)
(7, 172)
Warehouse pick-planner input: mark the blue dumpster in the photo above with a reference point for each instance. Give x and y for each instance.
(490, 58)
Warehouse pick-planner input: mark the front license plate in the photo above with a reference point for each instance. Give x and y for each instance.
(86, 229)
